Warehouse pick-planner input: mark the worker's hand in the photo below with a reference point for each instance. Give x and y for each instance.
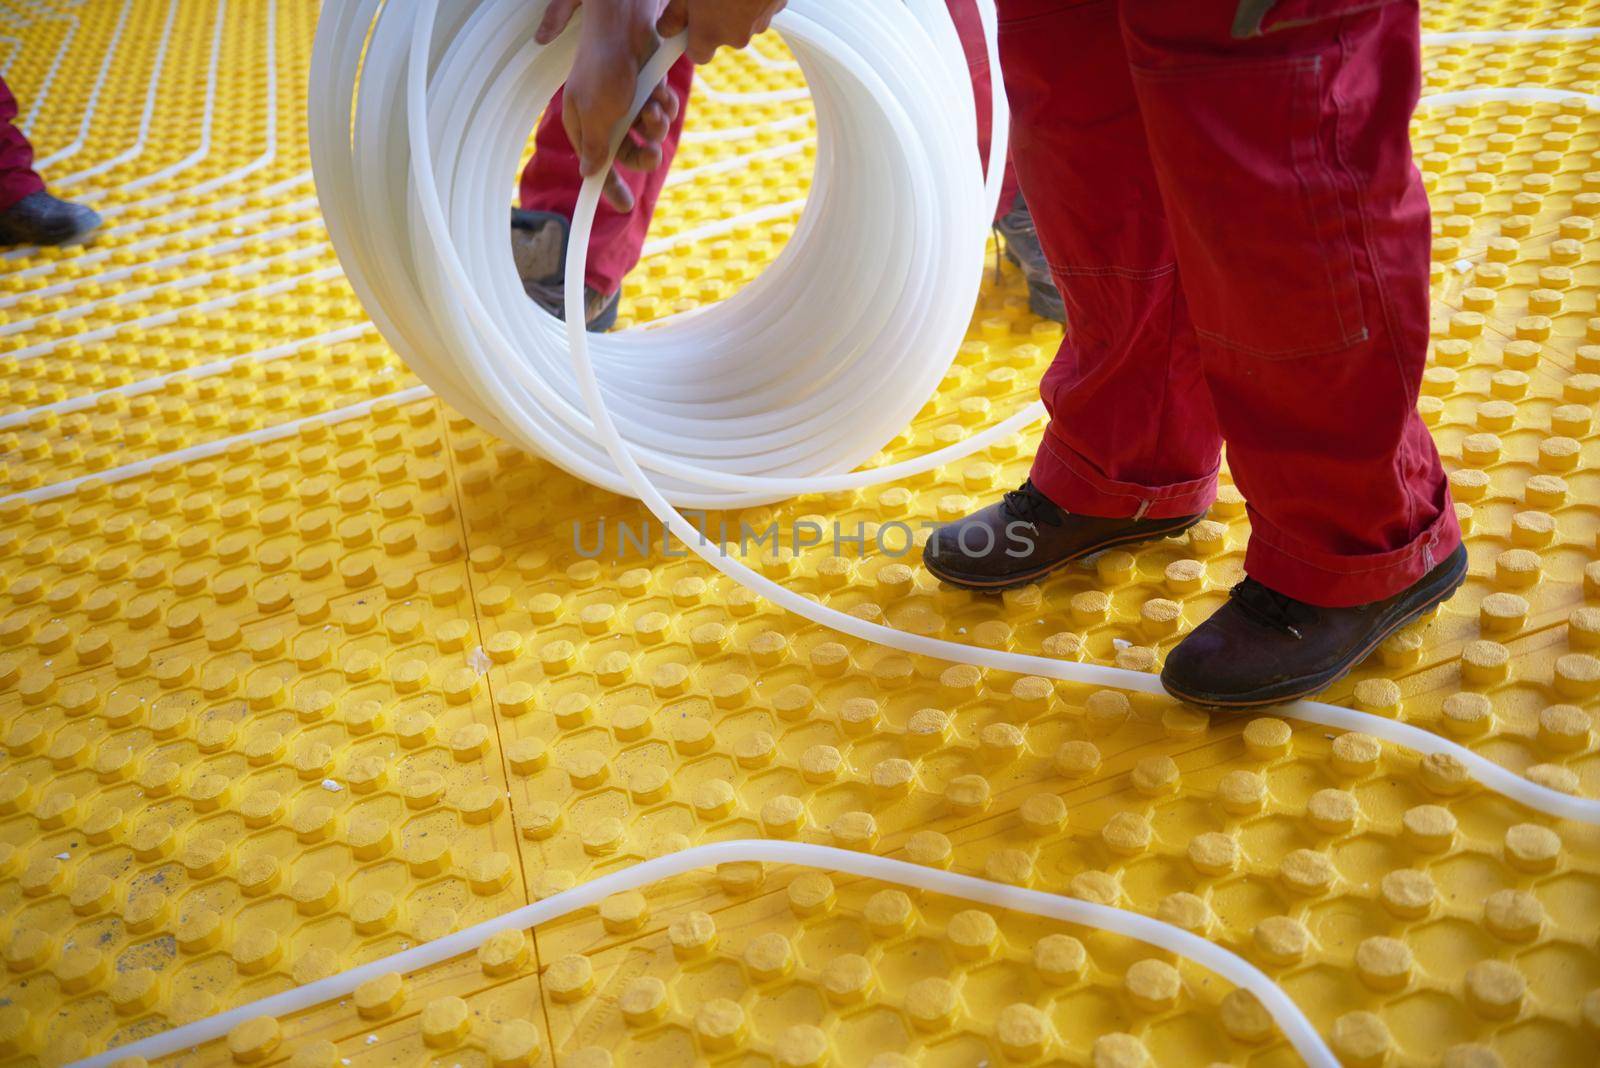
(641, 149)
(714, 23)
(618, 38)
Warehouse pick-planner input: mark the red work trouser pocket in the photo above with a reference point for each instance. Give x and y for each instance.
(1244, 154)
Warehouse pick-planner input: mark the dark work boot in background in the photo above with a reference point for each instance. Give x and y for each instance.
(539, 247)
(1023, 249)
(42, 219)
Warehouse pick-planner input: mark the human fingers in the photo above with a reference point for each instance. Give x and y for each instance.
(616, 192)
(664, 95)
(653, 123)
(556, 17)
(704, 39)
(674, 17)
(639, 155)
(594, 104)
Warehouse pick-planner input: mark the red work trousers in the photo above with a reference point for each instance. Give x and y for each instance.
(1226, 195)
(17, 177)
(551, 180)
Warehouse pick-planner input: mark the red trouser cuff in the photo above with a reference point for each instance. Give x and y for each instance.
(1320, 578)
(1073, 483)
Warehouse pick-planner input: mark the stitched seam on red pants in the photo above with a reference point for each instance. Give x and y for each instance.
(1166, 379)
(1343, 162)
(1297, 66)
(1135, 273)
(1317, 158)
(1284, 354)
(1410, 554)
(1385, 300)
(1110, 488)
(1388, 561)
(1220, 68)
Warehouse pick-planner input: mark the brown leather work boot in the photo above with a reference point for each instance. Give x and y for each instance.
(1024, 536)
(1262, 648)
(539, 249)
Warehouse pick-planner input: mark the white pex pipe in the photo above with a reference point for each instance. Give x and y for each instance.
(208, 116)
(1574, 33)
(1230, 966)
(397, 122)
(42, 93)
(145, 116)
(1531, 95)
(94, 96)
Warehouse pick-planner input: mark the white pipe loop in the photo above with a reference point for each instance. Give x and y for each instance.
(1573, 33)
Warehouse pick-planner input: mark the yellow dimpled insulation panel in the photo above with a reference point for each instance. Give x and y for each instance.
(298, 668)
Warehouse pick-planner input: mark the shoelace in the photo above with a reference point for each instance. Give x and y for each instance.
(1028, 504)
(1019, 219)
(1273, 609)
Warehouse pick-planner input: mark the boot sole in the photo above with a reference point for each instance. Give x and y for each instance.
(600, 324)
(1012, 581)
(67, 239)
(1296, 689)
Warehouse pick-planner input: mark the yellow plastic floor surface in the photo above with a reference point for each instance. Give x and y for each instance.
(298, 668)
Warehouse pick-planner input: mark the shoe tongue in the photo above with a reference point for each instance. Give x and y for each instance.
(1039, 499)
(1028, 503)
(1270, 606)
(1260, 594)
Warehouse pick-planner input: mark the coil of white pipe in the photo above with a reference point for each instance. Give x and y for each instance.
(460, 329)
(756, 399)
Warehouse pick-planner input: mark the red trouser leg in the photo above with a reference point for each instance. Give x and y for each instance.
(964, 13)
(1131, 427)
(17, 177)
(1300, 232)
(551, 182)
